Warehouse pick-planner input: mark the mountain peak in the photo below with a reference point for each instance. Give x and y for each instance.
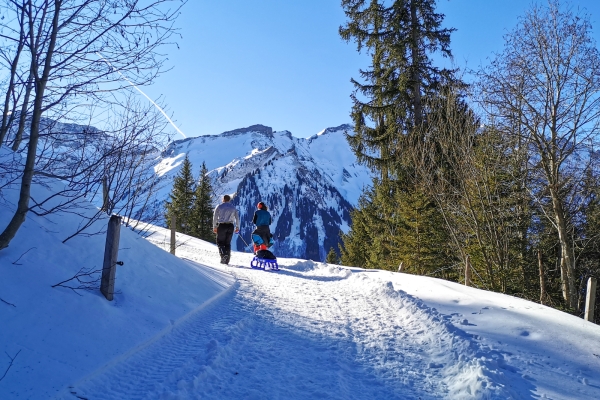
(343, 127)
(267, 130)
(340, 128)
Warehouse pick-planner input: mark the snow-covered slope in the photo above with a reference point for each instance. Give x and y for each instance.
(310, 185)
(188, 327)
(57, 334)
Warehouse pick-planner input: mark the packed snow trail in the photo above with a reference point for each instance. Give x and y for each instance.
(236, 349)
(359, 339)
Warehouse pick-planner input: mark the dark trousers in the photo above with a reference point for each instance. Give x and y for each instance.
(264, 232)
(224, 235)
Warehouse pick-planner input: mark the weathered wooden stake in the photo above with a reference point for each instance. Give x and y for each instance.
(111, 252)
(468, 271)
(173, 221)
(400, 266)
(105, 194)
(542, 278)
(590, 300)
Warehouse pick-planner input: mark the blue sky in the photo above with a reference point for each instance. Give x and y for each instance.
(282, 63)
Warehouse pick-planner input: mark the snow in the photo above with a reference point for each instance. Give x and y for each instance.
(61, 335)
(266, 164)
(332, 154)
(187, 327)
(326, 152)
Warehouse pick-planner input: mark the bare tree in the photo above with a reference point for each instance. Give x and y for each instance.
(547, 83)
(77, 53)
(477, 179)
(10, 54)
(139, 134)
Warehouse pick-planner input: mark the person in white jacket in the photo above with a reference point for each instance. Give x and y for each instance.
(226, 221)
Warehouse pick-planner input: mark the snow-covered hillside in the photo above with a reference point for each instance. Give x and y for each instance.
(187, 327)
(310, 185)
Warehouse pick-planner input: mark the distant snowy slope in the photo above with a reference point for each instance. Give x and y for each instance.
(333, 155)
(310, 185)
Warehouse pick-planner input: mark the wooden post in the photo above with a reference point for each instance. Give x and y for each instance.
(111, 252)
(400, 266)
(173, 222)
(468, 271)
(590, 300)
(105, 194)
(542, 278)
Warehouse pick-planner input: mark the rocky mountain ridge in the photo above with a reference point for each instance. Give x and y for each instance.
(310, 185)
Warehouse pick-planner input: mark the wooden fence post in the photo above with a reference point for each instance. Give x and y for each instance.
(111, 252)
(590, 300)
(542, 278)
(173, 221)
(468, 271)
(105, 194)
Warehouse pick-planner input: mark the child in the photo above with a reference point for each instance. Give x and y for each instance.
(261, 236)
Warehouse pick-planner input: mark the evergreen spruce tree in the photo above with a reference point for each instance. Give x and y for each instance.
(181, 199)
(400, 35)
(393, 225)
(420, 241)
(332, 257)
(202, 212)
(357, 243)
(395, 222)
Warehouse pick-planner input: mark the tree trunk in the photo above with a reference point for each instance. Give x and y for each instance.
(590, 300)
(417, 107)
(542, 279)
(468, 271)
(567, 268)
(6, 120)
(25, 193)
(23, 115)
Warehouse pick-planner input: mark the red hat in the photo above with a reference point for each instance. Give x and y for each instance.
(260, 205)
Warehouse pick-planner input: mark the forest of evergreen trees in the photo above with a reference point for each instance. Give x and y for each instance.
(191, 203)
(501, 170)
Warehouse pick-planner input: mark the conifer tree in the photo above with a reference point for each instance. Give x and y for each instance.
(395, 221)
(202, 212)
(332, 257)
(401, 36)
(393, 225)
(357, 242)
(181, 199)
(420, 241)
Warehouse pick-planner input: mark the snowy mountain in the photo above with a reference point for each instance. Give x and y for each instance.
(310, 185)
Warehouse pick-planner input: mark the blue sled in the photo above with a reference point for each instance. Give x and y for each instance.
(263, 263)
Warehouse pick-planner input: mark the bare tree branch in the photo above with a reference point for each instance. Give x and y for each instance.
(12, 360)
(21, 256)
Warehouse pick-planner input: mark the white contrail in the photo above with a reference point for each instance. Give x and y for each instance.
(145, 95)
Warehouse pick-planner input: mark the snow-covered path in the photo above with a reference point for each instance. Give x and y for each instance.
(236, 348)
(308, 331)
